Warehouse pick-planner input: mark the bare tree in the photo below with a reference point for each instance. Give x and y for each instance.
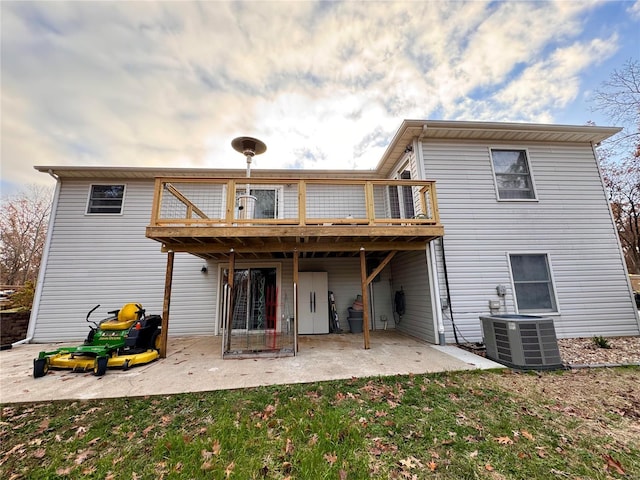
(619, 99)
(24, 218)
(622, 179)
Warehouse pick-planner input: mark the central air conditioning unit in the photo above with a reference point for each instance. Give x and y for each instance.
(522, 341)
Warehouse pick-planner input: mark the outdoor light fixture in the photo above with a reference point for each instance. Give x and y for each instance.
(203, 269)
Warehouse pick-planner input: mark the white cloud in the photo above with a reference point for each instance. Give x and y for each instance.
(634, 10)
(324, 84)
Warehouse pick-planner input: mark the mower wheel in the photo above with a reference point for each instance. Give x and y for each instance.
(125, 365)
(40, 367)
(100, 366)
(156, 340)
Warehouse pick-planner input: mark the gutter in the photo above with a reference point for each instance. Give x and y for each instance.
(43, 264)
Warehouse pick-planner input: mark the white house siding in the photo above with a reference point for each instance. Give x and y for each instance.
(410, 274)
(107, 260)
(570, 222)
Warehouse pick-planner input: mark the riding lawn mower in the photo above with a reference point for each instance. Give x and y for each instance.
(126, 338)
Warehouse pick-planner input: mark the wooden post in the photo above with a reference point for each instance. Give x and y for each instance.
(167, 302)
(295, 301)
(230, 282)
(302, 203)
(365, 299)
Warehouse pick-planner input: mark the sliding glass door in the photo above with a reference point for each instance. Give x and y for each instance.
(255, 298)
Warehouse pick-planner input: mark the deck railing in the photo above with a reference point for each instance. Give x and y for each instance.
(222, 202)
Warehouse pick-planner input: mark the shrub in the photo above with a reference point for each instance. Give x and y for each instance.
(23, 298)
(601, 342)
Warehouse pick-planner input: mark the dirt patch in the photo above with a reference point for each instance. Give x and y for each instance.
(606, 400)
(584, 351)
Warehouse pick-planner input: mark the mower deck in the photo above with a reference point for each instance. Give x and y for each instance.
(86, 363)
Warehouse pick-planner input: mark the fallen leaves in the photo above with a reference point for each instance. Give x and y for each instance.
(288, 448)
(527, 435)
(229, 470)
(613, 464)
(504, 440)
(83, 456)
(331, 458)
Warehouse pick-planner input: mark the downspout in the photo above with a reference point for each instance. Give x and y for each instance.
(613, 224)
(435, 293)
(43, 264)
(431, 260)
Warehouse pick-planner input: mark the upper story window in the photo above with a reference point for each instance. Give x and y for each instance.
(532, 283)
(106, 199)
(512, 174)
(401, 198)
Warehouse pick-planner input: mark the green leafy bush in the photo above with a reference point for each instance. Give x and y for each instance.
(601, 342)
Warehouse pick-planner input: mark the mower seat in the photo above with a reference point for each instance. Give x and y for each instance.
(127, 316)
(115, 324)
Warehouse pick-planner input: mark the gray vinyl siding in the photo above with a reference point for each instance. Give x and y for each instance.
(410, 274)
(335, 201)
(570, 222)
(107, 260)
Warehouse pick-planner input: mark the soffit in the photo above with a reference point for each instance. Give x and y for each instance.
(71, 172)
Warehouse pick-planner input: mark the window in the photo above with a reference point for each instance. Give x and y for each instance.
(266, 203)
(106, 199)
(401, 198)
(512, 174)
(532, 283)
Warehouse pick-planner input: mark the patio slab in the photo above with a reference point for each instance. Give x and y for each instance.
(195, 364)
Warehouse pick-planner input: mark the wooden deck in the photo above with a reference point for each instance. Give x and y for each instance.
(315, 217)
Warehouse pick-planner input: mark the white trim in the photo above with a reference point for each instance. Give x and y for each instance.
(124, 194)
(551, 277)
(531, 176)
(436, 306)
(35, 308)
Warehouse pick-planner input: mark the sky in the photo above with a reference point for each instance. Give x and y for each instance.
(324, 84)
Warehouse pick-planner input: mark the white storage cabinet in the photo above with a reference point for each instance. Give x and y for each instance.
(313, 303)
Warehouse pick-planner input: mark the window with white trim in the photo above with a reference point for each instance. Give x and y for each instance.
(512, 174)
(105, 199)
(532, 282)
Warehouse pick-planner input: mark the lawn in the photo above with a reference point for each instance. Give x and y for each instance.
(485, 425)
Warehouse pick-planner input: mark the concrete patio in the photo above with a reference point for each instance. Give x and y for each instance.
(195, 364)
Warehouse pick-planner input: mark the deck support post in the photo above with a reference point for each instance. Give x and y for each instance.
(231, 280)
(295, 301)
(166, 305)
(365, 299)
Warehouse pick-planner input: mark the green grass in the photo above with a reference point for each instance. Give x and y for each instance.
(445, 426)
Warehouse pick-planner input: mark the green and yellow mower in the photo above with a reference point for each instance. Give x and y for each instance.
(126, 338)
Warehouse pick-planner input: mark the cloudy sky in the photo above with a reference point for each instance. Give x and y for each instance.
(323, 84)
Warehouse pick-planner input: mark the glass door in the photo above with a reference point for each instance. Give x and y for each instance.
(255, 298)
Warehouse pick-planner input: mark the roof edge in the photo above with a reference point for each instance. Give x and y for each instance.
(410, 129)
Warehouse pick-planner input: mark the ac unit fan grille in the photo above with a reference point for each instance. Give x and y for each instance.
(502, 341)
(521, 341)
